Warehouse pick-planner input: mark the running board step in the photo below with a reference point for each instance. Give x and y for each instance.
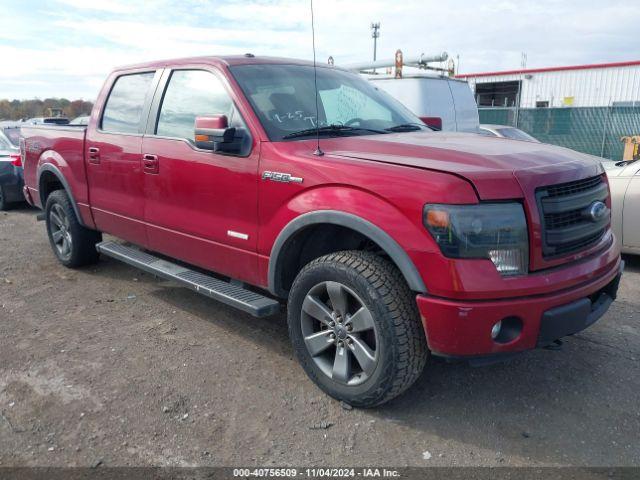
(225, 292)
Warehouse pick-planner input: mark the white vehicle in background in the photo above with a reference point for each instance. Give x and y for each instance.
(440, 101)
(624, 182)
(505, 131)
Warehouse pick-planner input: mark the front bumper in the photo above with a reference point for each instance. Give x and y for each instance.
(457, 328)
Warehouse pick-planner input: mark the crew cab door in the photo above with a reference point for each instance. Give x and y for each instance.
(200, 206)
(113, 156)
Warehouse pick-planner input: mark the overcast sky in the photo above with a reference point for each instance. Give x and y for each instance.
(65, 48)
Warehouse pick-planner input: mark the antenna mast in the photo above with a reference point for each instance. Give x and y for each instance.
(318, 152)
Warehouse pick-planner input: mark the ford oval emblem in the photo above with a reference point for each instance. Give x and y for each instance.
(597, 210)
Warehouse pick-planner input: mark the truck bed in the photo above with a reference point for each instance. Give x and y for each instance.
(60, 146)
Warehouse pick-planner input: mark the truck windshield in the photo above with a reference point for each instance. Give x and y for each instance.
(283, 97)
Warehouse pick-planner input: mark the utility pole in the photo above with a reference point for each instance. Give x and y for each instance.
(375, 34)
(523, 64)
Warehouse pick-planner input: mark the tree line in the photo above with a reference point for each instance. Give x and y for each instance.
(24, 109)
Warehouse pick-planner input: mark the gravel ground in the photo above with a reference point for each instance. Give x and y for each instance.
(113, 366)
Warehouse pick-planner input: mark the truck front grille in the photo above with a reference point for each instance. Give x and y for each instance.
(573, 187)
(567, 226)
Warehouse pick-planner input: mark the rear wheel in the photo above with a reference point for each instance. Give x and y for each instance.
(73, 244)
(355, 328)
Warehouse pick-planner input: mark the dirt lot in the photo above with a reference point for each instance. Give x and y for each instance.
(111, 365)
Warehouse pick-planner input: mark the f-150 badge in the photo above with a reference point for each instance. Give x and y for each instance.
(281, 177)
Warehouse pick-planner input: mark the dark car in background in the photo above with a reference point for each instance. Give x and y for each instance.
(11, 180)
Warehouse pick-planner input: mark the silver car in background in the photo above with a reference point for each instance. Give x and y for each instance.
(505, 131)
(624, 180)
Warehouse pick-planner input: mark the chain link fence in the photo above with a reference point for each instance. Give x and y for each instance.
(593, 130)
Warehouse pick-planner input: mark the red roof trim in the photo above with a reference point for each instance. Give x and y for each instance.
(551, 69)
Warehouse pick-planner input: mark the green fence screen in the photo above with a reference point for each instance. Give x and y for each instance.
(594, 130)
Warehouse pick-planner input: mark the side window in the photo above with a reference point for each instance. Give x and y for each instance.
(123, 111)
(190, 94)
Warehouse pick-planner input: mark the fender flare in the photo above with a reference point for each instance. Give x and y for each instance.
(360, 225)
(47, 167)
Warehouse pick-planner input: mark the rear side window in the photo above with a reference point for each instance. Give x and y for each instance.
(191, 94)
(123, 111)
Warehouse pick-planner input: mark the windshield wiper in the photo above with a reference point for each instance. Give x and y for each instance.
(330, 129)
(409, 127)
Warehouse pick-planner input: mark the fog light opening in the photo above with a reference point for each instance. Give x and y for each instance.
(506, 330)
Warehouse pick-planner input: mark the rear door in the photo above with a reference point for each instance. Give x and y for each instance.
(113, 155)
(201, 206)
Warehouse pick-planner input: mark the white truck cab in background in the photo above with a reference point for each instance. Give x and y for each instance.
(438, 99)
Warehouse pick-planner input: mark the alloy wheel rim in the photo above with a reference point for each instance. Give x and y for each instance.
(60, 231)
(339, 333)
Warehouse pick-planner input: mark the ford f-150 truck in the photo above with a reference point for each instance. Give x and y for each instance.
(254, 181)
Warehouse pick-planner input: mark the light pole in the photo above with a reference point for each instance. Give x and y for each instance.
(375, 33)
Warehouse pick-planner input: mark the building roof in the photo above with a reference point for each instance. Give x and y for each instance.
(551, 69)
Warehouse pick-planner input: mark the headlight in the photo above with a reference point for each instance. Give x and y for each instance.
(495, 231)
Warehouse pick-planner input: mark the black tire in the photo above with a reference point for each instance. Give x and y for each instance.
(4, 205)
(81, 241)
(400, 345)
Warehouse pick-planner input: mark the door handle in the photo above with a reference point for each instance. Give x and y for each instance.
(150, 163)
(94, 155)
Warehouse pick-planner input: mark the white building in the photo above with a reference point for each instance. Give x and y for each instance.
(599, 85)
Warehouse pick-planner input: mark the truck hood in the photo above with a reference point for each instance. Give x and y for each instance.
(498, 168)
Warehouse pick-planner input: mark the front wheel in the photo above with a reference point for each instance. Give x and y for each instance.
(73, 244)
(355, 327)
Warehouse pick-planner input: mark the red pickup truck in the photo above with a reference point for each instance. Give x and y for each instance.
(236, 177)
